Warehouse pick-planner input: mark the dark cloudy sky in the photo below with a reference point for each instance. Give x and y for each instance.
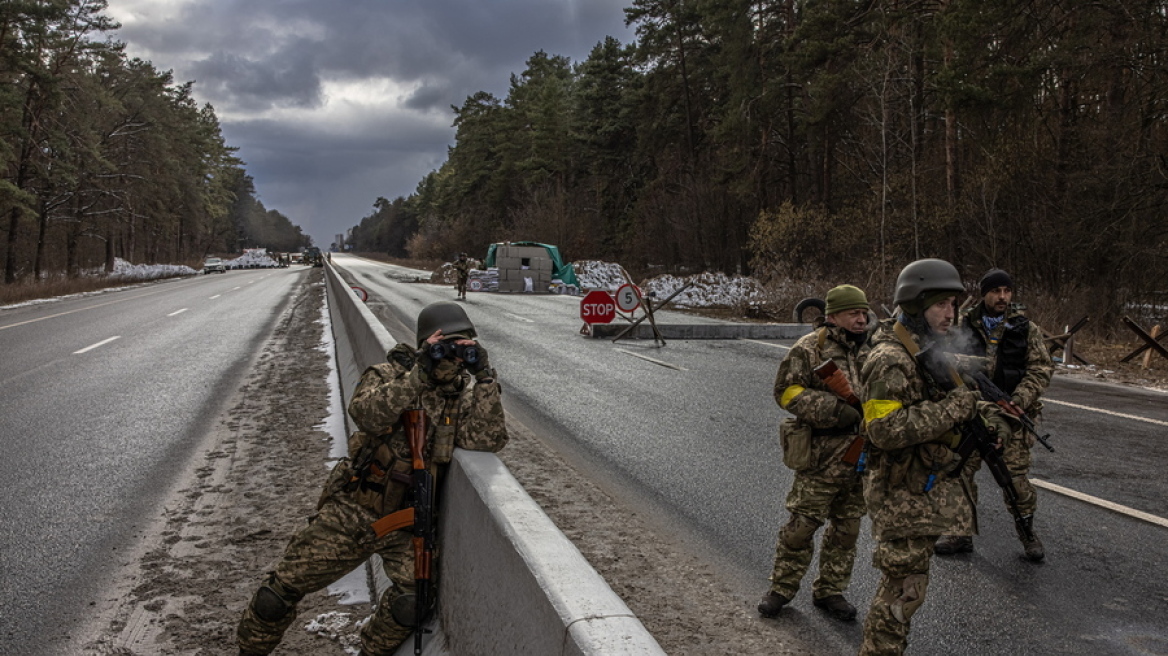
(333, 103)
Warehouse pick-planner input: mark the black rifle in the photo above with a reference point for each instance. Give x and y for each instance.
(974, 435)
(994, 394)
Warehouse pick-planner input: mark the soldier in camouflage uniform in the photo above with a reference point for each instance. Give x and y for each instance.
(462, 267)
(911, 489)
(462, 400)
(1018, 362)
(827, 487)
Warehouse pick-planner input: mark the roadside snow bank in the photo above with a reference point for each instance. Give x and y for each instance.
(123, 270)
(595, 274)
(709, 289)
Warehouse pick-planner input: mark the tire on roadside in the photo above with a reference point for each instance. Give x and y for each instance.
(809, 310)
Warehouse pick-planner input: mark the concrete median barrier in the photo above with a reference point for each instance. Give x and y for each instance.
(512, 583)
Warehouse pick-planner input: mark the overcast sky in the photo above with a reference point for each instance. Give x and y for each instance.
(333, 103)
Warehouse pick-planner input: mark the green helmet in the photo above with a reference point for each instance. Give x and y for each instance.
(925, 280)
(446, 316)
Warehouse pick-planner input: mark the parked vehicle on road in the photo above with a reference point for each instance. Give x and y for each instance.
(214, 265)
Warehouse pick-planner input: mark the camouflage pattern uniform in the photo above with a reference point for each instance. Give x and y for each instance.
(1026, 393)
(830, 489)
(911, 434)
(338, 537)
(462, 267)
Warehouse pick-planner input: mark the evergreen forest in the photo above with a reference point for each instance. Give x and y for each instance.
(104, 156)
(827, 140)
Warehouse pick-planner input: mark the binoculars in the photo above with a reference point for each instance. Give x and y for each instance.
(449, 349)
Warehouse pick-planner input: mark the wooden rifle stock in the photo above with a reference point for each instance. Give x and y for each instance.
(830, 373)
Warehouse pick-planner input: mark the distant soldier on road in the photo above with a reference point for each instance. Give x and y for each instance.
(816, 443)
(1017, 362)
(912, 494)
(462, 267)
(462, 400)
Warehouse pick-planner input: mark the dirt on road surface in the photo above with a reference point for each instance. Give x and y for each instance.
(258, 478)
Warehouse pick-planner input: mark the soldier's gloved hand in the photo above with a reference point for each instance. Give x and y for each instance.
(480, 368)
(995, 422)
(960, 404)
(847, 417)
(403, 355)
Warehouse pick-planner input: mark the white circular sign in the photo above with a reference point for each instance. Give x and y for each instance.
(475, 285)
(627, 298)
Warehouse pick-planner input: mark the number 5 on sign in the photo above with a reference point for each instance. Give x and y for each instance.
(627, 298)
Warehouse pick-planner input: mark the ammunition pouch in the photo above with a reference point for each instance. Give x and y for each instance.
(929, 459)
(443, 449)
(377, 479)
(795, 440)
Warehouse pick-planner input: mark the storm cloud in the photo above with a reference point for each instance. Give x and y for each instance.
(333, 104)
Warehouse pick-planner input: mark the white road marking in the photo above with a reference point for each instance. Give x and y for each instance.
(101, 343)
(1106, 412)
(239, 287)
(788, 348)
(177, 312)
(654, 361)
(215, 296)
(1103, 503)
(516, 316)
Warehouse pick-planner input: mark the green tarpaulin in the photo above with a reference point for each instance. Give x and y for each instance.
(560, 269)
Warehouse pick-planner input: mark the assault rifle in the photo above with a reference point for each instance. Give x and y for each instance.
(419, 516)
(994, 394)
(830, 373)
(975, 436)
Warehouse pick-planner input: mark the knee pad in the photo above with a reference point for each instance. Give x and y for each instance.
(843, 533)
(274, 600)
(909, 596)
(798, 532)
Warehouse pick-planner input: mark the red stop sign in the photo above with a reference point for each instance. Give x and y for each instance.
(597, 307)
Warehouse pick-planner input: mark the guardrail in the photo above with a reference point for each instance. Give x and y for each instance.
(511, 582)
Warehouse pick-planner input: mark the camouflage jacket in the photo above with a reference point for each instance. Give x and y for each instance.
(1036, 370)
(463, 267)
(801, 392)
(910, 429)
(475, 410)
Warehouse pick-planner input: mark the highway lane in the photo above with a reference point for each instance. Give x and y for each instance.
(104, 399)
(691, 439)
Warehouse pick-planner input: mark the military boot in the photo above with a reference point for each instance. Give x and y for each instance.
(837, 607)
(947, 545)
(771, 603)
(1030, 541)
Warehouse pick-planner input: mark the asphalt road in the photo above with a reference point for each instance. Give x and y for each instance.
(104, 398)
(688, 433)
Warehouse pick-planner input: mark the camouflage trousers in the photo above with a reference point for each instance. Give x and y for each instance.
(811, 502)
(904, 568)
(1016, 455)
(336, 541)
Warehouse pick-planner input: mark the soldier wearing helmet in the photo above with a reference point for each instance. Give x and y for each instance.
(447, 373)
(912, 492)
(462, 267)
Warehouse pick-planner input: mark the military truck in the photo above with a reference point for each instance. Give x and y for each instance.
(312, 256)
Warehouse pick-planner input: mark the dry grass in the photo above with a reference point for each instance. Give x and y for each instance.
(30, 290)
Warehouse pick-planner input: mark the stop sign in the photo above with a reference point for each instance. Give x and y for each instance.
(597, 307)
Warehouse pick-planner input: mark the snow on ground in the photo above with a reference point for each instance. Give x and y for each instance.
(252, 258)
(594, 274)
(709, 289)
(123, 270)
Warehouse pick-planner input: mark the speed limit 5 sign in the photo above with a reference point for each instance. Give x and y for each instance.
(628, 298)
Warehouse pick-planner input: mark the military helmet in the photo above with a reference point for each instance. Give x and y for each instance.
(446, 316)
(922, 277)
